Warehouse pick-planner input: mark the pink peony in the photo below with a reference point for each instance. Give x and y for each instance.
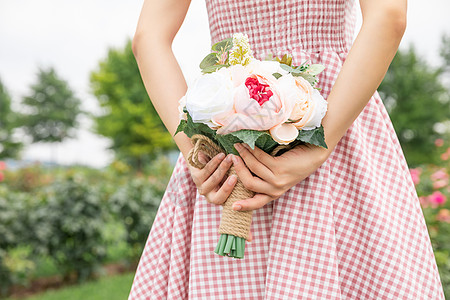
(261, 102)
(2, 165)
(437, 198)
(415, 175)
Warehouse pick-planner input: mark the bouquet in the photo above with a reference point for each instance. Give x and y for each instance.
(269, 103)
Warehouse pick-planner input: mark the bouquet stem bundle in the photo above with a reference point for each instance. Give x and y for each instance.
(234, 226)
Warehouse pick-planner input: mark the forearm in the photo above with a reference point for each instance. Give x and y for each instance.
(164, 82)
(361, 74)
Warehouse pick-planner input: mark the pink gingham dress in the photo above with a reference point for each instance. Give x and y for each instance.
(353, 229)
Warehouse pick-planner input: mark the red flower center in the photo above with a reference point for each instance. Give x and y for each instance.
(257, 90)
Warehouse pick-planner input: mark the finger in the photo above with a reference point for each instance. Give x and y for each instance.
(212, 183)
(250, 237)
(211, 166)
(257, 201)
(265, 158)
(203, 158)
(253, 163)
(224, 192)
(249, 181)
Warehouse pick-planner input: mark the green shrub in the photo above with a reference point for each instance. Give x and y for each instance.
(68, 225)
(15, 263)
(135, 204)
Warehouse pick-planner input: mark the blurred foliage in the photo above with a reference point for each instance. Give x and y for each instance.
(135, 204)
(433, 189)
(445, 50)
(129, 118)
(69, 219)
(51, 109)
(9, 148)
(13, 211)
(417, 101)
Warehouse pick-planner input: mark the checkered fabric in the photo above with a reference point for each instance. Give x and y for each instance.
(353, 229)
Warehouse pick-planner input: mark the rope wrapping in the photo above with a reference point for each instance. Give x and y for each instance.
(236, 223)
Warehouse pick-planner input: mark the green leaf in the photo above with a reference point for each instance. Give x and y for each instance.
(223, 45)
(227, 141)
(315, 136)
(181, 127)
(289, 69)
(316, 69)
(248, 136)
(213, 68)
(265, 142)
(209, 60)
(277, 75)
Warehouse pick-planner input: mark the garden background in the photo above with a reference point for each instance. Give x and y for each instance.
(84, 158)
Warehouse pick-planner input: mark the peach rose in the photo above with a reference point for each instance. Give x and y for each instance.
(310, 107)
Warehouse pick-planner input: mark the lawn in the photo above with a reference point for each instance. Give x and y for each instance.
(111, 288)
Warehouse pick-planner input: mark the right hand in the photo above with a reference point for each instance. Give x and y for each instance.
(211, 181)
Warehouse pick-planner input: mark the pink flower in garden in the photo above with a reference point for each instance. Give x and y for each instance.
(437, 198)
(2, 165)
(443, 215)
(424, 201)
(439, 178)
(446, 154)
(2, 176)
(439, 142)
(439, 174)
(415, 175)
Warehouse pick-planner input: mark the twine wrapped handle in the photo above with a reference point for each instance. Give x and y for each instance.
(233, 222)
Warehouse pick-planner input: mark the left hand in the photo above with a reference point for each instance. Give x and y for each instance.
(274, 174)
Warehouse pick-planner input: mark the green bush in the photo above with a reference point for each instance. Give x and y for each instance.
(15, 263)
(68, 226)
(135, 204)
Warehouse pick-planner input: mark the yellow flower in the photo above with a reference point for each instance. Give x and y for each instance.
(240, 53)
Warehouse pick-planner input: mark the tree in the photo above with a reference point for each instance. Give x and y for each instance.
(8, 121)
(130, 120)
(417, 102)
(52, 109)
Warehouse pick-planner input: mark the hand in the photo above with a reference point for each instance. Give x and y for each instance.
(211, 181)
(274, 174)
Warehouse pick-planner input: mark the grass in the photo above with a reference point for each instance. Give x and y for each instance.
(111, 288)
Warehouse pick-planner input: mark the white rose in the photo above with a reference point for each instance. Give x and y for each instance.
(181, 106)
(319, 112)
(210, 94)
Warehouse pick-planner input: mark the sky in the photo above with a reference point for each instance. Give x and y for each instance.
(73, 36)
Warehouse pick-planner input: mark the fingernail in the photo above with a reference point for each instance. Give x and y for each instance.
(229, 158)
(236, 206)
(221, 155)
(235, 159)
(232, 179)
